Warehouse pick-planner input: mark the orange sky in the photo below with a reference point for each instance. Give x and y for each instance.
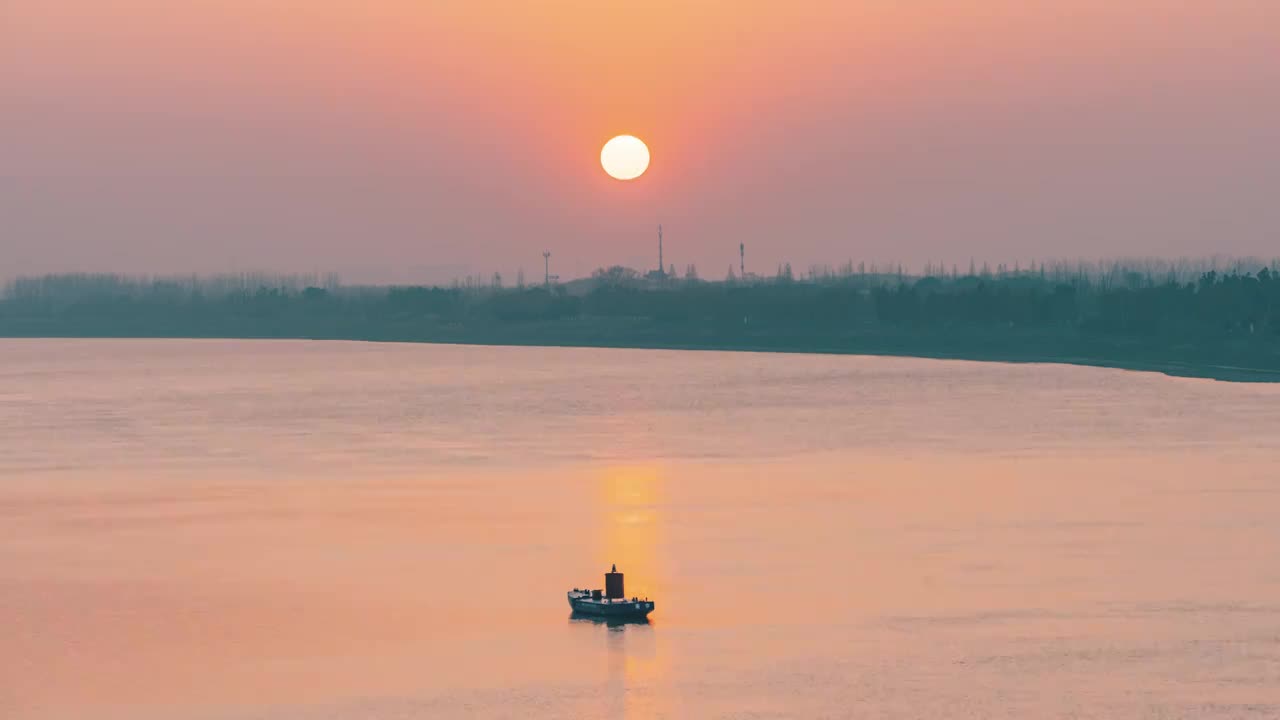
(400, 140)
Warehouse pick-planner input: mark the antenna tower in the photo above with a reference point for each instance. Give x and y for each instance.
(662, 269)
(546, 267)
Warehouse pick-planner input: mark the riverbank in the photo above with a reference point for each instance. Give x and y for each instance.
(1222, 327)
(1240, 362)
(1223, 373)
(1174, 368)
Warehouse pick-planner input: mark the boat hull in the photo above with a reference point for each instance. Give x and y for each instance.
(616, 609)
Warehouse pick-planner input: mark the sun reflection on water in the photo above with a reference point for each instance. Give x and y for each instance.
(630, 502)
(630, 505)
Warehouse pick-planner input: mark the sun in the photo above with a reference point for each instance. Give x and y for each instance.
(625, 157)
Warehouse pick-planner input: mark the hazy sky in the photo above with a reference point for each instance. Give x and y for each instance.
(422, 139)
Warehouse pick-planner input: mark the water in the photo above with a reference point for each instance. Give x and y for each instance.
(290, 530)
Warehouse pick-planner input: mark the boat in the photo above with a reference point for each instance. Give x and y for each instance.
(611, 603)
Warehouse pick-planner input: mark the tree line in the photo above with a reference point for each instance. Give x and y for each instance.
(1215, 317)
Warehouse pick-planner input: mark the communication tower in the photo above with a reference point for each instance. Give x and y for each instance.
(662, 271)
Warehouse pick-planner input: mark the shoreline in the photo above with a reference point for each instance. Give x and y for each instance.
(1221, 373)
(1171, 368)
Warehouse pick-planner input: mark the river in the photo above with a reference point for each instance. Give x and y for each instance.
(281, 530)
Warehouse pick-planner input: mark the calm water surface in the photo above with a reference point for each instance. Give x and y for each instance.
(223, 530)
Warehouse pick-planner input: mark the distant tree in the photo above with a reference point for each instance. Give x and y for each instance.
(615, 275)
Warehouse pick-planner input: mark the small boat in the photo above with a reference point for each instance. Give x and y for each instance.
(610, 603)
